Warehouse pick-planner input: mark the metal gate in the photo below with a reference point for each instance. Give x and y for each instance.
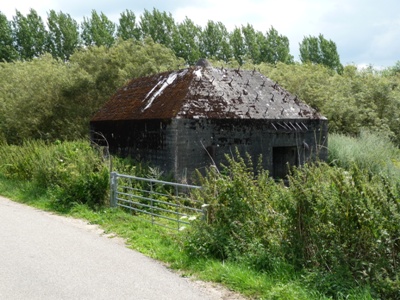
(164, 203)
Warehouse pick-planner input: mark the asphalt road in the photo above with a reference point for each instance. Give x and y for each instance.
(45, 256)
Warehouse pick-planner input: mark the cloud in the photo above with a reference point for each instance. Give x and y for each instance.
(365, 31)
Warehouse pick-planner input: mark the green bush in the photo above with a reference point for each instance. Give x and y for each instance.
(243, 218)
(338, 227)
(345, 223)
(74, 171)
(90, 188)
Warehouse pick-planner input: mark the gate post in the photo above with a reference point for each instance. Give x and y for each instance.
(113, 189)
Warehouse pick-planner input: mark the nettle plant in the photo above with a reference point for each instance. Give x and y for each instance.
(346, 222)
(74, 172)
(339, 226)
(243, 215)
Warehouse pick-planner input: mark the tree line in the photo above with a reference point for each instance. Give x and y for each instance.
(46, 98)
(52, 97)
(25, 37)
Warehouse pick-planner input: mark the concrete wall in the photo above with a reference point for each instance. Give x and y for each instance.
(181, 146)
(200, 143)
(145, 141)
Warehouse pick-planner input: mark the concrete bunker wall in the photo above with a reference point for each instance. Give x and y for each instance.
(202, 142)
(180, 146)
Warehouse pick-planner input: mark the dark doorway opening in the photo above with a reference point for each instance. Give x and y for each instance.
(282, 159)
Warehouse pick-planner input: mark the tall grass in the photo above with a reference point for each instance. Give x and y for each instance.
(369, 151)
(74, 172)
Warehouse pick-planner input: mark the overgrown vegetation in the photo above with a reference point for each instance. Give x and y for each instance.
(52, 100)
(72, 172)
(353, 101)
(372, 152)
(26, 37)
(338, 226)
(52, 84)
(332, 232)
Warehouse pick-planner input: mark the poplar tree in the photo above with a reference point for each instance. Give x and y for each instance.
(318, 50)
(7, 50)
(98, 30)
(128, 28)
(30, 35)
(63, 37)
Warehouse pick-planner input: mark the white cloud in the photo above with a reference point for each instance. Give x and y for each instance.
(365, 31)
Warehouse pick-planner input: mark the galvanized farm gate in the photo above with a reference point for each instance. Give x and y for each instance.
(164, 203)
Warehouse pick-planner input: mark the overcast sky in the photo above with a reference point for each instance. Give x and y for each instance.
(366, 32)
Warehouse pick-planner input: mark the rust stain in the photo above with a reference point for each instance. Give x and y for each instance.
(204, 92)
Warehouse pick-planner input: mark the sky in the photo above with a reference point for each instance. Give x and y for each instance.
(366, 32)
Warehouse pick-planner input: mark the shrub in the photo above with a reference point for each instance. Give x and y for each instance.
(345, 223)
(338, 227)
(73, 170)
(243, 218)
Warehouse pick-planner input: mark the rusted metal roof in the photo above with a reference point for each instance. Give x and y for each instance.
(204, 92)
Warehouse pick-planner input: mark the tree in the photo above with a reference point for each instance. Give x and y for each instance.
(186, 41)
(214, 42)
(7, 50)
(238, 46)
(63, 37)
(38, 107)
(127, 28)
(396, 68)
(318, 50)
(98, 30)
(276, 48)
(111, 67)
(252, 42)
(160, 26)
(58, 102)
(30, 34)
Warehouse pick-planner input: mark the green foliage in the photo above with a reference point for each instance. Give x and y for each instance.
(345, 224)
(7, 50)
(214, 42)
(369, 151)
(36, 100)
(185, 41)
(394, 70)
(188, 40)
(253, 41)
(338, 226)
(111, 67)
(318, 50)
(98, 30)
(242, 218)
(355, 100)
(276, 48)
(63, 35)
(50, 99)
(30, 35)
(127, 28)
(73, 171)
(158, 26)
(238, 46)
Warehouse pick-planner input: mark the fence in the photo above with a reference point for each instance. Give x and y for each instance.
(160, 202)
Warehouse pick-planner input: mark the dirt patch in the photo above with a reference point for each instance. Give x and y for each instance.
(217, 291)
